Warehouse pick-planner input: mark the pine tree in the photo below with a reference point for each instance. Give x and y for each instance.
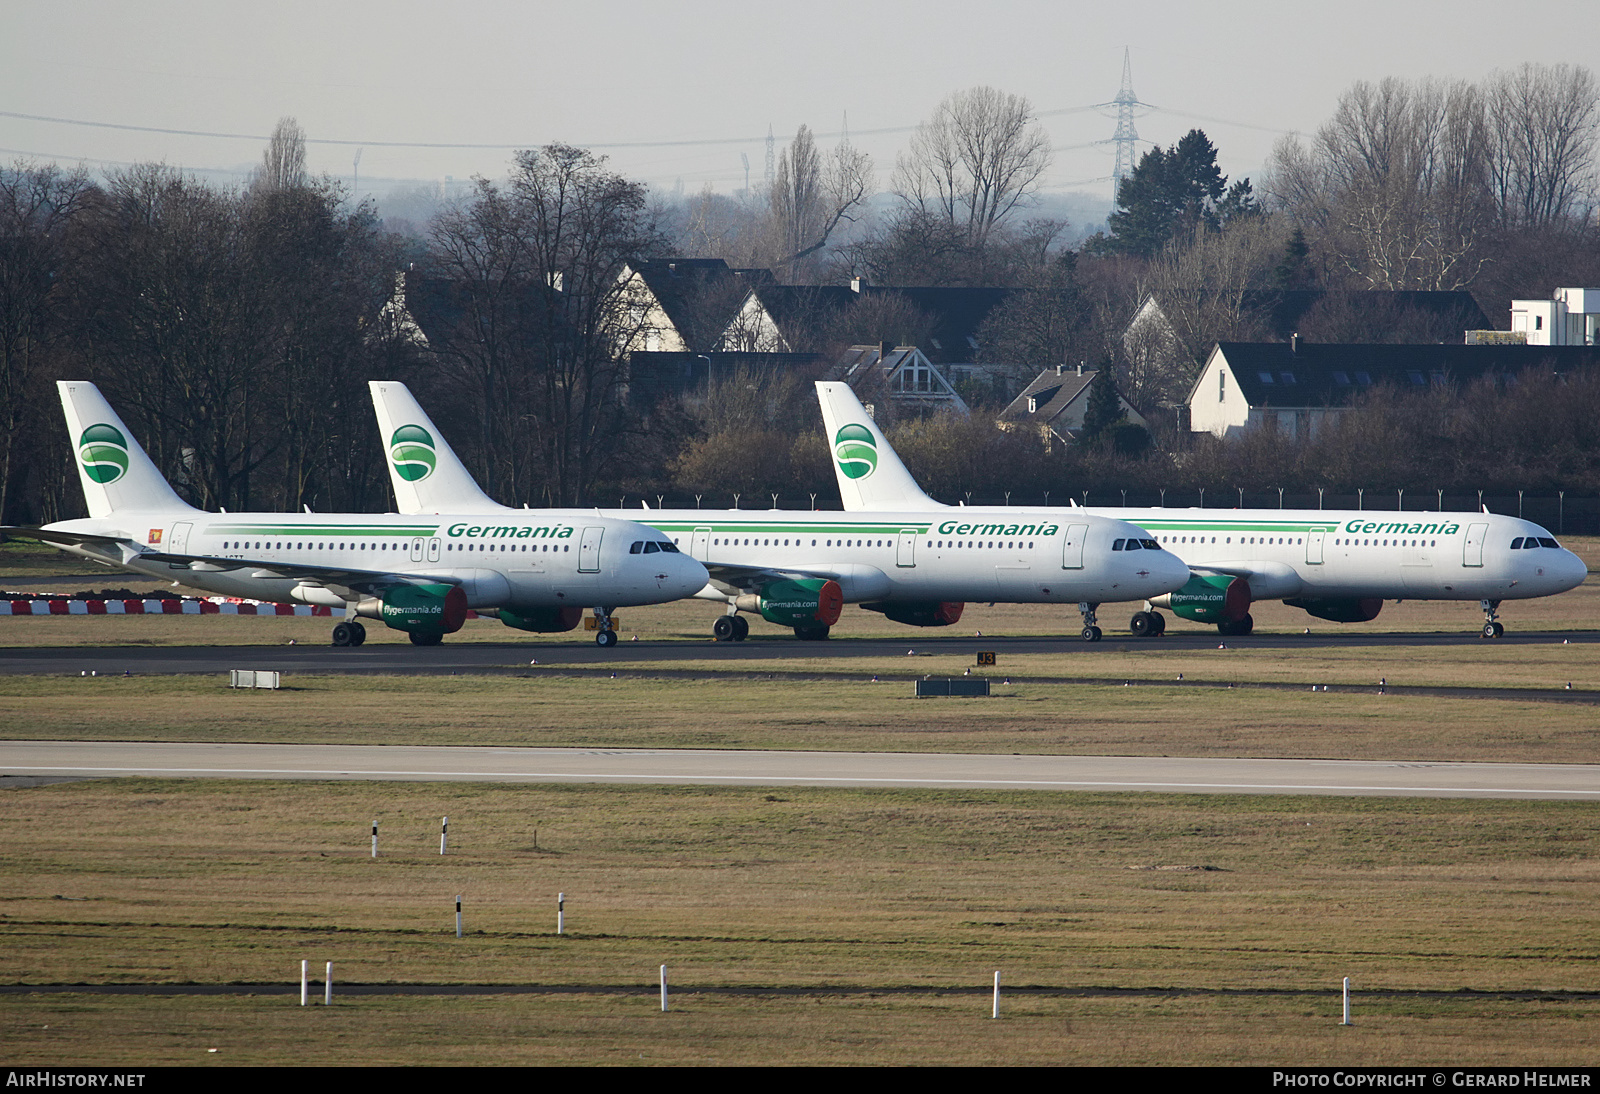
(1105, 409)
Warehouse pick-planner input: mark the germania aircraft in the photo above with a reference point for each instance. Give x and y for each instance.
(538, 568)
(1337, 565)
(798, 569)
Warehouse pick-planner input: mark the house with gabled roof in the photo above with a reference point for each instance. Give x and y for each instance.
(682, 305)
(902, 375)
(1296, 387)
(1055, 403)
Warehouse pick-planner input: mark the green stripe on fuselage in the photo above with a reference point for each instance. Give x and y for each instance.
(319, 530)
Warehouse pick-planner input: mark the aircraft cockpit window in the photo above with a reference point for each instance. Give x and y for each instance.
(636, 547)
(651, 547)
(1151, 545)
(1116, 545)
(1516, 544)
(1545, 542)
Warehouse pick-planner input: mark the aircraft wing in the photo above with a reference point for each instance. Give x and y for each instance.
(737, 578)
(362, 581)
(1268, 580)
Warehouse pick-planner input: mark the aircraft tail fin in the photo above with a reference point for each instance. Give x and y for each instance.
(116, 473)
(869, 471)
(427, 475)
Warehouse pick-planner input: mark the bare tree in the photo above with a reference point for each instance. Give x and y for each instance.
(1395, 187)
(541, 315)
(813, 194)
(283, 164)
(1543, 122)
(37, 207)
(974, 162)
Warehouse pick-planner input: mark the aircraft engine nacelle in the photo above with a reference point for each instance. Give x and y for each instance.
(1340, 609)
(1209, 599)
(544, 620)
(418, 609)
(804, 602)
(919, 613)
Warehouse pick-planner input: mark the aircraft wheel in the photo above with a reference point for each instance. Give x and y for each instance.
(426, 639)
(725, 629)
(817, 633)
(344, 634)
(1247, 625)
(1092, 634)
(361, 634)
(1140, 625)
(1493, 630)
(741, 628)
(1160, 622)
(606, 639)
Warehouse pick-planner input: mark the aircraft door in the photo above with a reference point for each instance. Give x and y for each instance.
(178, 544)
(1472, 554)
(416, 549)
(908, 548)
(589, 550)
(700, 544)
(1072, 547)
(433, 550)
(1314, 546)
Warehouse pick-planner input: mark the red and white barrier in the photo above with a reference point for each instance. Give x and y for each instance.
(163, 607)
(154, 607)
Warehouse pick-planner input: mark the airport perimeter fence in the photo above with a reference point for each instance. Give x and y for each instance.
(1563, 514)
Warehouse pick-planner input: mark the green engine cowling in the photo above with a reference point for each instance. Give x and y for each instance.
(543, 620)
(1209, 599)
(919, 613)
(1343, 609)
(803, 602)
(419, 609)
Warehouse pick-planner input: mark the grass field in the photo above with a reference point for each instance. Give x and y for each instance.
(640, 710)
(1219, 927)
(1157, 929)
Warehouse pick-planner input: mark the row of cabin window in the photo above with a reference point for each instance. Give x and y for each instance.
(1004, 545)
(536, 548)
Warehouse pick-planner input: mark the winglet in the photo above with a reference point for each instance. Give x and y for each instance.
(427, 475)
(115, 472)
(869, 470)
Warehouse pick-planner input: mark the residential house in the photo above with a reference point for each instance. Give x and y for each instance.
(1298, 387)
(1055, 403)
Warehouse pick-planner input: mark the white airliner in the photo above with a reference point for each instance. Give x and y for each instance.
(797, 569)
(1337, 565)
(539, 568)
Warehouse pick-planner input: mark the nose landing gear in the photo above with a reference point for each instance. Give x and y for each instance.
(1091, 633)
(1491, 619)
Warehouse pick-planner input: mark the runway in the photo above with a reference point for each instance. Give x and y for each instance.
(1173, 775)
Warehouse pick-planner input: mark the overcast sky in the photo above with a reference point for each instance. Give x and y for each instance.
(676, 91)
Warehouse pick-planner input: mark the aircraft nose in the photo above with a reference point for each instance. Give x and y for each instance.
(687, 575)
(1570, 571)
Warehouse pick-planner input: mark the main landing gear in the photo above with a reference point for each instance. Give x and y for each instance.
(1237, 628)
(1148, 624)
(1491, 619)
(1091, 633)
(730, 628)
(351, 633)
(817, 632)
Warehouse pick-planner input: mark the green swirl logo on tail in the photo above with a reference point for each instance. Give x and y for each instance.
(103, 450)
(856, 451)
(411, 452)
